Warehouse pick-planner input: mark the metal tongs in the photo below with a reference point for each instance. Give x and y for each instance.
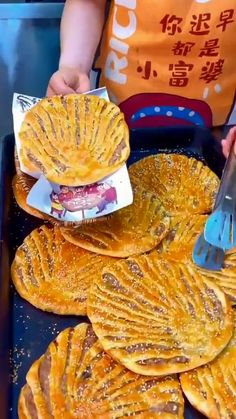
(207, 256)
(220, 229)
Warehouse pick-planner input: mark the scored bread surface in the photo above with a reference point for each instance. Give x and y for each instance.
(158, 317)
(182, 236)
(179, 245)
(225, 278)
(212, 387)
(75, 139)
(133, 230)
(54, 275)
(183, 184)
(76, 379)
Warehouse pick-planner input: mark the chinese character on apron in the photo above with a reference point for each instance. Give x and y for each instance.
(168, 62)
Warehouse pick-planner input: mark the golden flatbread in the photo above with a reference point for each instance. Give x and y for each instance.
(55, 275)
(158, 317)
(183, 184)
(75, 139)
(212, 388)
(226, 278)
(182, 235)
(133, 230)
(22, 184)
(179, 244)
(76, 379)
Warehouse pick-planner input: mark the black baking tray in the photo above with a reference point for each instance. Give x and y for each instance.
(25, 331)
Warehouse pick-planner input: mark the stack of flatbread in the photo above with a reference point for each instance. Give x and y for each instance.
(159, 326)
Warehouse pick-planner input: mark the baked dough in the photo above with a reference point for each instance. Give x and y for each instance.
(212, 388)
(76, 379)
(183, 184)
(179, 244)
(158, 317)
(22, 184)
(75, 139)
(181, 238)
(225, 278)
(55, 275)
(132, 230)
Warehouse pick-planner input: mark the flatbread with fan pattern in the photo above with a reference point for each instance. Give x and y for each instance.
(179, 244)
(55, 275)
(212, 387)
(75, 139)
(182, 235)
(183, 184)
(133, 230)
(225, 278)
(76, 379)
(158, 317)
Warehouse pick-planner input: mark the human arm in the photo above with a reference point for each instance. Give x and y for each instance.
(227, 142)
(81, 28)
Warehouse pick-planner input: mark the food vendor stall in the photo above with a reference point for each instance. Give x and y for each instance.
(29, 52)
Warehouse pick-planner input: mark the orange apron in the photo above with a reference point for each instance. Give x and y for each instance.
(168, 62)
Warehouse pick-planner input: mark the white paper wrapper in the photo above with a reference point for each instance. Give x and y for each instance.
(73, 204)
(76, 204)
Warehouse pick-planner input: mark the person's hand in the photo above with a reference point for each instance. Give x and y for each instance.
(228, 141)
(68, 80)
